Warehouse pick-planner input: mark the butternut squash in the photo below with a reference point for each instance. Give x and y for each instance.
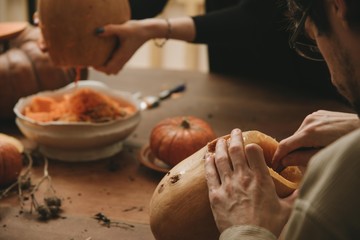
(180, 208)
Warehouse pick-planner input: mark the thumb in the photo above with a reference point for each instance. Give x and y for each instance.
(291, 199)
(42, 45)
(108, 30)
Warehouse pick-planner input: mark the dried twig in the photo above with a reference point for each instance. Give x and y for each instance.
(109, 223)
(51, 205)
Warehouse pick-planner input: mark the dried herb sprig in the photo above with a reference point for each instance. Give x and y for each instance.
(51, 206)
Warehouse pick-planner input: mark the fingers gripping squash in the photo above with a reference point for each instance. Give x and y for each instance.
(180, 208)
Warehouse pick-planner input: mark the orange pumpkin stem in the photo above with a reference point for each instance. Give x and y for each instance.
(185, 124)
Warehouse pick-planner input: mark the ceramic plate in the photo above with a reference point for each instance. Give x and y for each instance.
(148, 159)
(9, 30)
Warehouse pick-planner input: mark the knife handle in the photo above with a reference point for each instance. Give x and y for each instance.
(167, 93)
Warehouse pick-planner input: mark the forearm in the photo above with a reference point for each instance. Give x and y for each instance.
(181, 28)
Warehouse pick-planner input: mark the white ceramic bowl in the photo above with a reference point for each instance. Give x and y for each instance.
(78, 141)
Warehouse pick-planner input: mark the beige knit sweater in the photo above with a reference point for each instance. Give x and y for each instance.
(328, 206)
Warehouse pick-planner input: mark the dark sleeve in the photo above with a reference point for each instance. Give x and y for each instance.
(242, 23)
(141, 9)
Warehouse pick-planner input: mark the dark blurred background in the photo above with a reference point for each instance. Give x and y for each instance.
(31, 10)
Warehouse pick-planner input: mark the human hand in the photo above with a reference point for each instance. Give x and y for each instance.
(318, 130)
(41, 43)
(241, 190)
(131, 36)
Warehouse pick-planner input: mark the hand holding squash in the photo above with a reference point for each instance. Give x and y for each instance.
(69, 28)
(241, 190)
(180, 207)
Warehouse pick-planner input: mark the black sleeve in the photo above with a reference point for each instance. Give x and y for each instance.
(141, 9)
(244, 22)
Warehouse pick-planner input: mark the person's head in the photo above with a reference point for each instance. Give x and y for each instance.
(332, 27)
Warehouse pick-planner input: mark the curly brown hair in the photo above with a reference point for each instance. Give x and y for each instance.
(319, 15)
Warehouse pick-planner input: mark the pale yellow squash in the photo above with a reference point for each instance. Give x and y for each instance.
(180, 208)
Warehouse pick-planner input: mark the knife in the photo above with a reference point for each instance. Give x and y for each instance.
(154, 101)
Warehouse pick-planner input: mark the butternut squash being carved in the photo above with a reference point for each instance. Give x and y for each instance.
(180, 208)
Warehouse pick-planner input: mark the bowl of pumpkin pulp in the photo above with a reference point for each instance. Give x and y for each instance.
(82, 121)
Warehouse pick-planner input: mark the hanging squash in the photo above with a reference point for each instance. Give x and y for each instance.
(25, 69)
(69, 28)
(174, 139)
(180, 207)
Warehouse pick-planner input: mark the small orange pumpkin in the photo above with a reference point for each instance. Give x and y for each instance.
(174, 139)
(10, 163)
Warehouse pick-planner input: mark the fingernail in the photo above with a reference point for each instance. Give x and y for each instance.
(220, 141)
(99, 30)
(236, 130)
(208, 156)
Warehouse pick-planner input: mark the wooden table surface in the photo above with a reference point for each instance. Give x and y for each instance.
(120, 187)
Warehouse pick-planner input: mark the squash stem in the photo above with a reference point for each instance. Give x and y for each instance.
(185, 124)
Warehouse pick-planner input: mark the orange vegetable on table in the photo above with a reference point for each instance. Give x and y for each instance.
(10, 160)
(174, 139)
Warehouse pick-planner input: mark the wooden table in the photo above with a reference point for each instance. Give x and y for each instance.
(120, 187)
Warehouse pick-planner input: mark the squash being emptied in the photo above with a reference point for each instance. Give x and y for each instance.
(69, 26)
(180, 207)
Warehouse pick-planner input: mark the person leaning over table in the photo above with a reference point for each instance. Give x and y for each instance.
(242, 196)
(245, 38)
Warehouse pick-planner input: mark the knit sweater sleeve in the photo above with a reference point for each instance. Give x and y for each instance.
(247, 232)
(328, 203)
